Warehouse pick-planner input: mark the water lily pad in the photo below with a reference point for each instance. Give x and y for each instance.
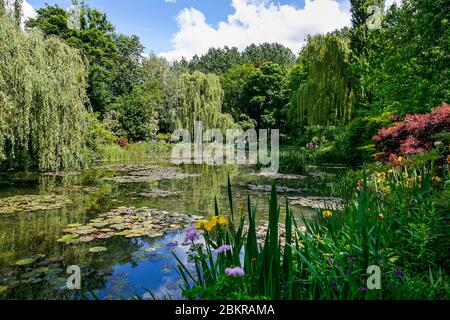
(158, 193)
(29, 275)
(32, 203)
(42, 270)
(317, 202)
(98, 249)
(86, 239)
(69, 239)
(74, 225)
(140, 174)
(127, 222)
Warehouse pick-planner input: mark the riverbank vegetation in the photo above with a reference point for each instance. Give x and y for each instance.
(394, 221)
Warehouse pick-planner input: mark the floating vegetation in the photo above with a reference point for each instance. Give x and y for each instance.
(29, 270)
(268, 188)
(280, 176)
(158, 193)
(26, 261)
(127, 167)
(70, 239)
(75, 189)
(62, 174)
(139, 173)
(317, 202)
(321, 174)
(128, 223)
(32, 203)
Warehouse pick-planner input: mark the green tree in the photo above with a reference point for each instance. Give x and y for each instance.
(201, 100)
(12, 8)
(325, 95)
(113, 59)
(233, 83)
(269, 52)
(128, 70)
(168, 76)
(216, 61)
(265, 95)
(361, 11)
(408, 61)
(136, 110)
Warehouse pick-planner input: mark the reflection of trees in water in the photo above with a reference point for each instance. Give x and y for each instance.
(198, 193)
(87, 191)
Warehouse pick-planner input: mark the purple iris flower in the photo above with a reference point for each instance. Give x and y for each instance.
(330, 260)
(363, 290)
(235, 272)
(399, 274)
(334, 283)
(191, 234)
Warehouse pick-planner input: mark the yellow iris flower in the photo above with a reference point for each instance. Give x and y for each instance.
(327, 214)
(209, 225)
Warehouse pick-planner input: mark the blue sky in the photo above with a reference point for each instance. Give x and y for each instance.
(152, 20)
(175, 28)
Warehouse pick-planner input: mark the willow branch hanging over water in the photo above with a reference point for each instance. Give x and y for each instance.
(42, 101)
(325, 95)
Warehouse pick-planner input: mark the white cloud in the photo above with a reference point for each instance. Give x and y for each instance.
(170, 1)
(389, 3)
(256, 21)
(28, 11)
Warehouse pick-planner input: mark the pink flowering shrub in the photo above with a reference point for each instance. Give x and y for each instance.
(122, 142)
(413, 136)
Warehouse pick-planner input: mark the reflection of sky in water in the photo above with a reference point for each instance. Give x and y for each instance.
(154, 271)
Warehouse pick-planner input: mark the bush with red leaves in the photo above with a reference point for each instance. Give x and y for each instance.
(413, 136)
(122, 142)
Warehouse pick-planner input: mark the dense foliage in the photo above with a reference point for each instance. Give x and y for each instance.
(220, 60)
(322, 83)
(41, 108)
(393, 219)
(201, 100)
(417, 134)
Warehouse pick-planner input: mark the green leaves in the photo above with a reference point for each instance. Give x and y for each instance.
(325, 94)
(41, 107)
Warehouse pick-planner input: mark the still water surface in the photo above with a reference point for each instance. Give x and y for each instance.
(130, 266)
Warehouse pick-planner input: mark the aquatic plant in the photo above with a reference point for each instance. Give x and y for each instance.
(414, 135)
(41, 108)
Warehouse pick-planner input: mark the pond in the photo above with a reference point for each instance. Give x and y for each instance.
(121, 222)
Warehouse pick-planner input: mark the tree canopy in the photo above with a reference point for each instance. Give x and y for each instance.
(324, 80)
(41, 108)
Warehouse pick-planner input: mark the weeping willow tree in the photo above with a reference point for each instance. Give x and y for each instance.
(324, 95)
(201, 100)
(42, 101)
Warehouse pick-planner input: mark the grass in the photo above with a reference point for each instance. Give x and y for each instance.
(132, 151)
